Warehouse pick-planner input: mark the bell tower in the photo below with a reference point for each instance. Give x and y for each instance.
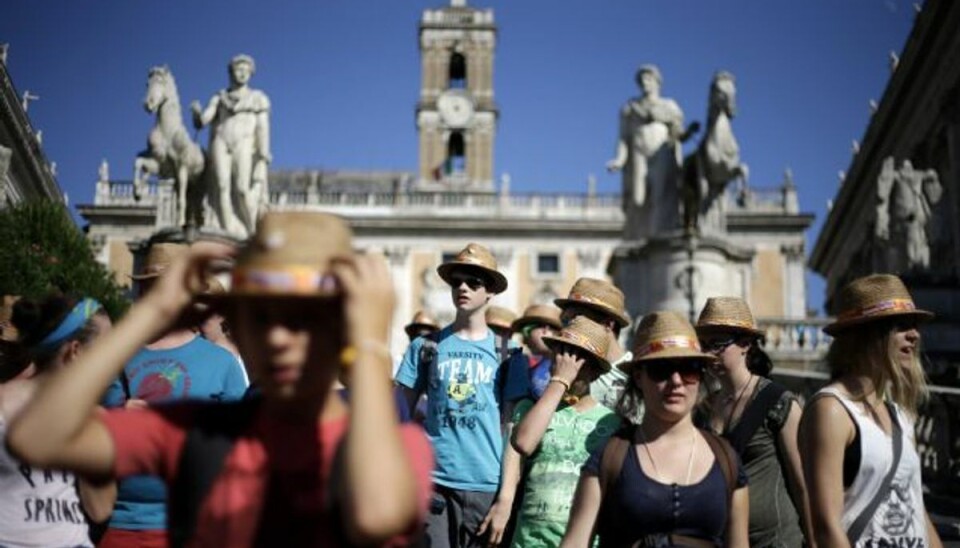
(456, 113)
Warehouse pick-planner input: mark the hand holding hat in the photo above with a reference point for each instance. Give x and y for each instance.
(185, 278)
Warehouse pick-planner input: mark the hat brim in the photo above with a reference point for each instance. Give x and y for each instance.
(620, 318)
(842, 325)
(554, 342)
(713, 327)
(412, 328)
(524, 321)
(498, 282)
(668, 354)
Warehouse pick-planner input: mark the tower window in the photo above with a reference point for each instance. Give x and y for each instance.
(548, 264)
(458, 71)
(456, 158)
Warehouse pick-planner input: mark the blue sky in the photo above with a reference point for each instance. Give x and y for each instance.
(343, 77)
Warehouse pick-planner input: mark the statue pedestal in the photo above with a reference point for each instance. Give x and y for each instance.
(677, 271)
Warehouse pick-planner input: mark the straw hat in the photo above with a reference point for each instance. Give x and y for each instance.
(290, 256)
(421, 320)
(159, 257)
(597, 294)
(665, 335)
(728, 313)
(873, 298)
(539, 314)
(499, 317)
(585, 334)
(475, 257)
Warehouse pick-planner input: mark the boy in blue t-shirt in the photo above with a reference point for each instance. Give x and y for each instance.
(180, 364)
(470, 391)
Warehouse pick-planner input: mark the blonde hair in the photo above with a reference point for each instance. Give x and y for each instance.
(866, 351)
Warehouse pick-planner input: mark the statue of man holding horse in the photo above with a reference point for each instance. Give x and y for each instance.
(649, 155)
(239, 149)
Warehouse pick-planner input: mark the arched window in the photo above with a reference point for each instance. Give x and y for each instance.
(458, 71)
(456, 156)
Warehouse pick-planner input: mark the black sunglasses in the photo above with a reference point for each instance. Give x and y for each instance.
(690, 372)
(716, 344)
(473, 282)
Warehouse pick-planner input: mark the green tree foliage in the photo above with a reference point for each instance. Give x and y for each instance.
(43, 251)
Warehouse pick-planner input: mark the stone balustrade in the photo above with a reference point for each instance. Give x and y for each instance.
(797, 336)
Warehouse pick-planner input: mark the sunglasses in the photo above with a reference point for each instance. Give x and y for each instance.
(690, 372)
(716, 344)
(473, 282)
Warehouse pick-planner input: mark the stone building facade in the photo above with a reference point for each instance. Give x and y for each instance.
(25, 173)
(543, 241)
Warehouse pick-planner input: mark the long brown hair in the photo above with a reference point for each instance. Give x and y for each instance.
(865, 351)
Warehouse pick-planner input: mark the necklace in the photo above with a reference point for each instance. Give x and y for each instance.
(736, 402)
(693, 448)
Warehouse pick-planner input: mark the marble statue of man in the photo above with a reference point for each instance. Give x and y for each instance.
(906, 197)
(239, 149)
(649, 155)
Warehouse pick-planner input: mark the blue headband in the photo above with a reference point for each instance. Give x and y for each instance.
(75, 320)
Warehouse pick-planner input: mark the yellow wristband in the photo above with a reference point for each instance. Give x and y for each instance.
(566, 385)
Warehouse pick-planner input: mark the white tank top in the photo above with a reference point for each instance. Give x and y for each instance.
(38, 508)
(900, 520)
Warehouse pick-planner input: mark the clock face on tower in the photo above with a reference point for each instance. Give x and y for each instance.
(456, 108)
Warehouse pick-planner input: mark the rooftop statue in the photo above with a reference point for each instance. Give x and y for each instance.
(239, 149)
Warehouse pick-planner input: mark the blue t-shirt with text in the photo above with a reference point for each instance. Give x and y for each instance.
(464, 394)
(198, 370)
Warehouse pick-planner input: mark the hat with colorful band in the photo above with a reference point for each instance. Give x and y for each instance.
(539, 314)
(585, 334)
(728, 314)
(290, 255)
(664, 335)
(872, 298)
(599, 295)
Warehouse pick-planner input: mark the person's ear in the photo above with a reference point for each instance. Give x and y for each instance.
(71, 351)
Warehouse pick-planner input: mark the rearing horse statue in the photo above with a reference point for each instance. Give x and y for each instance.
(716, 161)
(170, 152)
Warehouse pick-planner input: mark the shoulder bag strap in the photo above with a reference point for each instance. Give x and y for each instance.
(860, 524)
(611, 461)
(753, 416)
(726, 457)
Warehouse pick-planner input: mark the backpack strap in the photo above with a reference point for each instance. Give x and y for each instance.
(611, 460)
(727, 458)
(208, 441)
(754, 416)
(427, 359)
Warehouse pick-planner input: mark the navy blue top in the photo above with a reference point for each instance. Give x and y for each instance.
(637, 506)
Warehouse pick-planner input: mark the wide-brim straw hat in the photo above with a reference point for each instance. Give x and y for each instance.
(599, 295)
(539, 314)
(159, 258)
(421, 320)
(665, 335)
(478, 258)
(872, 298)
(728, 314)
(499, 317)
(585, 334)
(290, 255)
